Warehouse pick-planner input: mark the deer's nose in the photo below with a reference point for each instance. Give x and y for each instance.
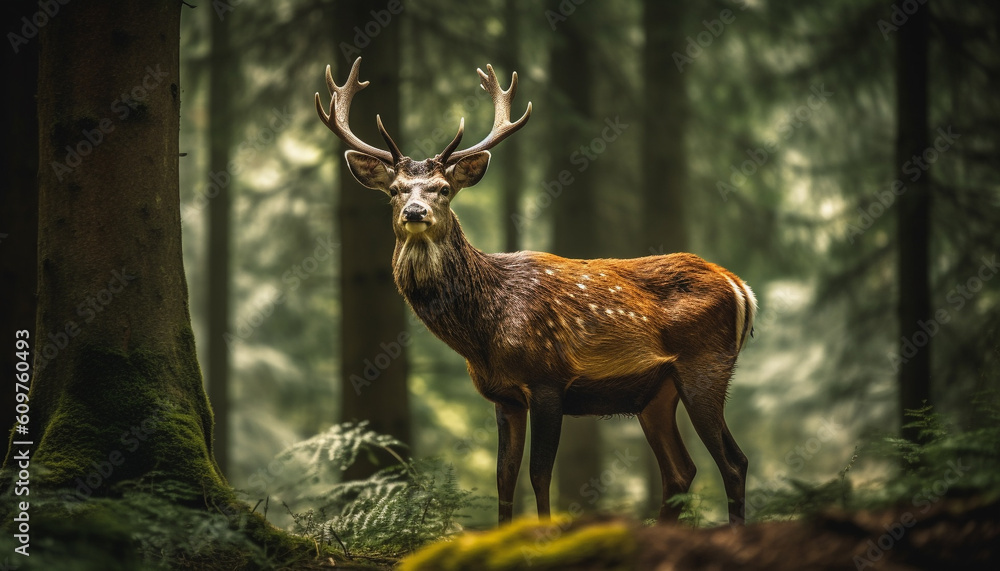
(414, 213)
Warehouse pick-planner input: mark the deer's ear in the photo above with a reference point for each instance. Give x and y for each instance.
(370, 171)
(469, 170)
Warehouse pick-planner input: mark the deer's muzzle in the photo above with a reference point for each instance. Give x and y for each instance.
(416, 217)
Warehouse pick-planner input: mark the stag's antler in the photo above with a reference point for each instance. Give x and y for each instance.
(340, 109)
(502, 127)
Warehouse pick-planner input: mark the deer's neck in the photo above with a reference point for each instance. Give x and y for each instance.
(455, 289)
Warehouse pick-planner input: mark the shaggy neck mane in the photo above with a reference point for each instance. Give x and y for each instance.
(451, 286)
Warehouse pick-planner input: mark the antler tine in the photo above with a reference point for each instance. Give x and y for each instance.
(502, 126)
(393, 149)
(446, 153)
(338, 118)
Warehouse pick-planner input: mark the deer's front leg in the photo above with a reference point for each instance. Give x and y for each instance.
(511, 422)
(545, 407)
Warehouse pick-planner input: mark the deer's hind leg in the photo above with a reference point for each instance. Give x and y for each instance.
(659, 422)
(702, 384)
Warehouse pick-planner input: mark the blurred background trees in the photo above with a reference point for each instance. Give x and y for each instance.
(761, 135)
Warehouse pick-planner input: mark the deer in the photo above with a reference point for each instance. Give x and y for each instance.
(545, 336)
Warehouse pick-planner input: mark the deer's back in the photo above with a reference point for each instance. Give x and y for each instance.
(600, 320)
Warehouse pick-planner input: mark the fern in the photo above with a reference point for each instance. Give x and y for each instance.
(393, 512)
(943, 460)
(341, 444)
(691, 508)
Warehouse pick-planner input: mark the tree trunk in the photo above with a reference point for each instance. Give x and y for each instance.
(574, 224)
(218, 271)
(913, 210)
(374, 331)
(117, 392)
(511, 165)
(19, 209)
(664, 160)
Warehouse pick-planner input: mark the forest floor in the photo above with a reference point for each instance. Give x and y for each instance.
(956, 533)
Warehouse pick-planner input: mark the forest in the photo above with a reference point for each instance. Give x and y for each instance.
(212, 360)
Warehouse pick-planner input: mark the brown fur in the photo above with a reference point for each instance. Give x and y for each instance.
(549, 336)
(523, 322)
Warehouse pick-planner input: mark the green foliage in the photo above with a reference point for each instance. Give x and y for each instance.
(789, 224)
(394, 511)
(945, 461)
(691, 508)
(147, 524)
(967, 460)
(340, 444)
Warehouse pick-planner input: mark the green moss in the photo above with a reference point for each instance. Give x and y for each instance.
(122, 415)
(124, 474)
(528, 544)
(153, 526)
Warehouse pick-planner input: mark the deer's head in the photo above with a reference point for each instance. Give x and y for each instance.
(420, 192)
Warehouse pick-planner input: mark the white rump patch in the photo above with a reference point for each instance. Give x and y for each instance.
(741, 310)
(753, 308)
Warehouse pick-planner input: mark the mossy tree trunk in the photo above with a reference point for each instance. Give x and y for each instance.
(117, 392)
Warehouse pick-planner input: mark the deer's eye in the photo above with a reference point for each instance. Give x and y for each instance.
(393, 190)
(445, 190)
